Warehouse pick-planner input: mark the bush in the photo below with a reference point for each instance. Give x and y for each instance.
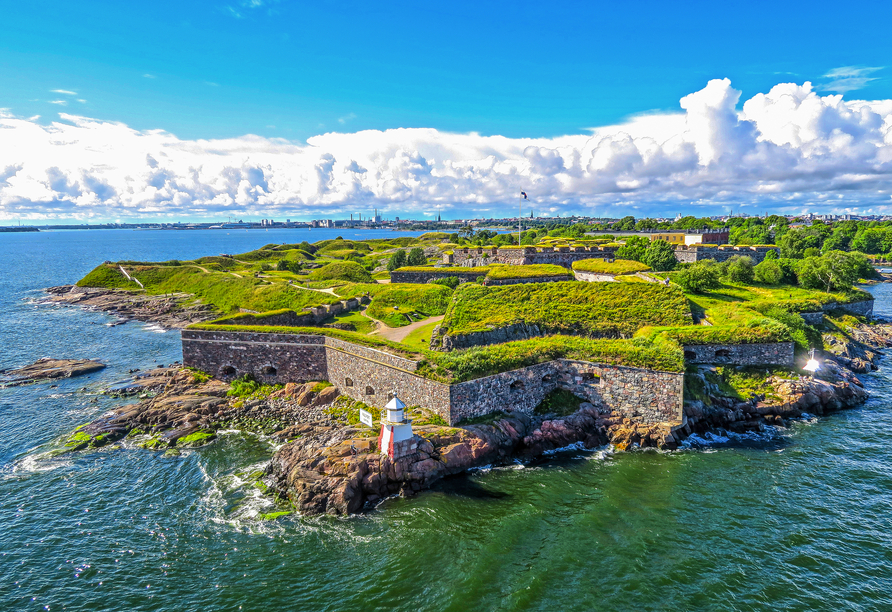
(699, 277)
(660, 256)
(397, 260)
(768, 272)
(450, 281)
(285, 265)
(772, 254)
(835, 271)
(416, 257)
(342, 270)
(740, 269)
(634, 248)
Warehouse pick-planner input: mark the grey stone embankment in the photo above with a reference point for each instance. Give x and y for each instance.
(171, 311)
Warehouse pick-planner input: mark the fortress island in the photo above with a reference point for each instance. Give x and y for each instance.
(385, 365)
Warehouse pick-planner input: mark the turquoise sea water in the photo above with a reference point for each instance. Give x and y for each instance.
(798, 519)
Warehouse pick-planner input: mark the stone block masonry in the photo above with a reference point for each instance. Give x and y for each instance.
(373, 376)
(518, 256)
(771, 353)
(649, 395)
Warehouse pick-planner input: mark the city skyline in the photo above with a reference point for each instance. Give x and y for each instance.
(274, 108)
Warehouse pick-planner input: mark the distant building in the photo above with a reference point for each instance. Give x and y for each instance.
(689, 237)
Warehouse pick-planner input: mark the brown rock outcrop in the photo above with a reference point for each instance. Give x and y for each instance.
(47, 369)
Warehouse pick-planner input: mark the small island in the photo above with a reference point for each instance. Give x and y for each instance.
(492, 352)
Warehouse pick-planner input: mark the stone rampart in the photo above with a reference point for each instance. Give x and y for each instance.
(764, 354)
(312, 315)
(812, 318)
(652, 396)
(859, 309)
(270, 358)
(373, 376)
(424, 277)
(375, 383)
(694, 253)
(519, 256)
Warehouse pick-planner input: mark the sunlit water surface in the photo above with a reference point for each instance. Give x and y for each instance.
(798, 519)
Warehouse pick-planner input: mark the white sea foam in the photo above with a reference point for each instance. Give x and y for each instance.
(576, 446)
(154, 327)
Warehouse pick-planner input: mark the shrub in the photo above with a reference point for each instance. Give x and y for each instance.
(768, 272)
(772, 254)
(699, 277)
(835, 271)
(740, 269)
(285, 265)
(450, 281)
(634, 248)
(660, 256)
(397, 260)
(416, 257)
(342, 270)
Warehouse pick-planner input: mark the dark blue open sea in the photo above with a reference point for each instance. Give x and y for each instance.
(800, 519)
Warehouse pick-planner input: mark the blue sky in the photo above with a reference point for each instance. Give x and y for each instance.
(525, 70)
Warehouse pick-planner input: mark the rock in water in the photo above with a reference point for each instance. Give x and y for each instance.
(47, 368)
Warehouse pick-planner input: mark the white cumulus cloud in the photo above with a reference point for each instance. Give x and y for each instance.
(787, 149)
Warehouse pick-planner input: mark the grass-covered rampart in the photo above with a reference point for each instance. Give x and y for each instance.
(592, 309)
(458, 366)
(348, 336)
(505, 272)
(615, 267)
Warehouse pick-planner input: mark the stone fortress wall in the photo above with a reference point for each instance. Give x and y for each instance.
(523, 256)
(565, 256)
(699, 252)
(312, 315)
(772, 353)
(374, 376)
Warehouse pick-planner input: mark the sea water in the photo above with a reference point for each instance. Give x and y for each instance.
(796, 519)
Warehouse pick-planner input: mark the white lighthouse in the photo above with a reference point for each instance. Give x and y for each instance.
(396, 439)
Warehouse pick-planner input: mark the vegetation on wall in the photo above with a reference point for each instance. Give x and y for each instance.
(594, 309)
(617, 266)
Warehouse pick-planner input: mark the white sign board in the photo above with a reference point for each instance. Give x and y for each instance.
(365, 417)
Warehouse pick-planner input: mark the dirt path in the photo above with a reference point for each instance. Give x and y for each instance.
(398, 334)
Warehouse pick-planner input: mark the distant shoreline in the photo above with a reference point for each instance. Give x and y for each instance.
(18, 229)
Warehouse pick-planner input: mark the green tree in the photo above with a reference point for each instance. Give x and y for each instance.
(397, 260)
(770, 255)
(634, 248)
(416, 257)
(835, 271)
(660, 256)
(768, 272)
(283, 265)
(699, 277)
(740, 269)
(868, 241)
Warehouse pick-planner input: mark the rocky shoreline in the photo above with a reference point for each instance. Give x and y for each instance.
(326, 465)
(171, 311)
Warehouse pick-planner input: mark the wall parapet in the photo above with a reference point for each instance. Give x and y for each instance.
(374, 376)
(763, 354)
